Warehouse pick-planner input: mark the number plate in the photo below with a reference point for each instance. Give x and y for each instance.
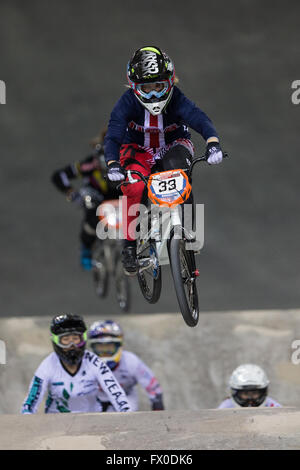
(169, 188)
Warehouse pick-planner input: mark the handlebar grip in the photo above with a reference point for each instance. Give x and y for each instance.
(131, 180)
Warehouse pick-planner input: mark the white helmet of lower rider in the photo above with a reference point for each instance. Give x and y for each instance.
(249, 385)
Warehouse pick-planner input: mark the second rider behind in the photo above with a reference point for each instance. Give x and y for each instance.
(149, 125)
(92, 173)
(106, 340)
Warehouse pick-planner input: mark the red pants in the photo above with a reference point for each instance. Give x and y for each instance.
(132, 157)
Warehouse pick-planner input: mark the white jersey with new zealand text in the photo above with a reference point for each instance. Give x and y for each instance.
(130, 371)
(74, 393)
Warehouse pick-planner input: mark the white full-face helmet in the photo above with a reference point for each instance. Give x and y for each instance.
(249, 385)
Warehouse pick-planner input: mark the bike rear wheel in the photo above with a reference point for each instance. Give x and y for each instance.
(122, 286)
(100, 271)
(182, 266)
(149, 277)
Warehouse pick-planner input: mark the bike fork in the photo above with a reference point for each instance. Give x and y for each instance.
(177, 227)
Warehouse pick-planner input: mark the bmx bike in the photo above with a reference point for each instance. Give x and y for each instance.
(161, 242)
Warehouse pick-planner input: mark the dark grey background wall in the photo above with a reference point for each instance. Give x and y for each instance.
(64, 67)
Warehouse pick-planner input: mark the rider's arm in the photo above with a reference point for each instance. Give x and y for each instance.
(194, 117)
(117, 126)
(61, 178)
(272, 403)
(111, 387)
(148, 381)
(37, 389)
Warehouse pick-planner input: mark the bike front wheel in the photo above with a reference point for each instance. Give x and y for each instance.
(183, 266)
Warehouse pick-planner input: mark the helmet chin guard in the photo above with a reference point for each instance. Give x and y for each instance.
(156, 107)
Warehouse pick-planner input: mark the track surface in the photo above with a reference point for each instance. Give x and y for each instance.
(206, 429)
(64, 67)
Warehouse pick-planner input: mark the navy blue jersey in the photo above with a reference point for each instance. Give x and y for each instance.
(130, 122)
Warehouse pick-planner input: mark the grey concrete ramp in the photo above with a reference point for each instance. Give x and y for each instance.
(188, 430)
(193, 365)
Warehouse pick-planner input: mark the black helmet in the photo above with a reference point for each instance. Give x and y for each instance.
(151, 65)
(65, 324)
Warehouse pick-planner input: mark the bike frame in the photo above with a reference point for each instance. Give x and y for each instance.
(174, 222)
(163, 224)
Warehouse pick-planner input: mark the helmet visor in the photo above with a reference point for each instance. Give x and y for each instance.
(105, 349)
(250, 397)
(150, 90)
(69, 339)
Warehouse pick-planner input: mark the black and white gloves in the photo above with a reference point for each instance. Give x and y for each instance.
(214, 154)
(115, 172)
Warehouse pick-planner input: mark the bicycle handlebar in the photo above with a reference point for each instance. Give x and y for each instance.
(144, 179)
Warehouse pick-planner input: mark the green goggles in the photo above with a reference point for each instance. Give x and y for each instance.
(72, 338)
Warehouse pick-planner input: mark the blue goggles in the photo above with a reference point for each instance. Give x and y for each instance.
(148, 90)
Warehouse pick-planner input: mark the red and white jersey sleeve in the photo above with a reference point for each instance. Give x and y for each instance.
(132, 371)
(143, 374)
